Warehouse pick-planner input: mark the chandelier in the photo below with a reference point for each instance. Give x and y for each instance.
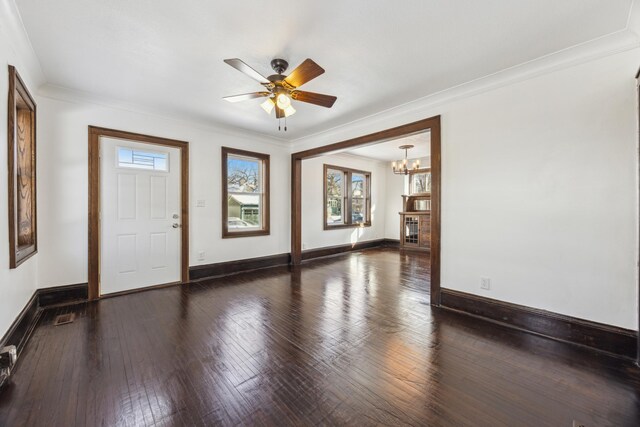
(401, 167)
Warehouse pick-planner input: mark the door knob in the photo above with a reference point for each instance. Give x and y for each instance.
(176, 225)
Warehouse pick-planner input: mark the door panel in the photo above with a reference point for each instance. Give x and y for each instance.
(126, 196)
(139, 215)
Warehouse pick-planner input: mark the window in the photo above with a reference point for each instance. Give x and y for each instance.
(139, 159)
(347, 197)
(245, 193)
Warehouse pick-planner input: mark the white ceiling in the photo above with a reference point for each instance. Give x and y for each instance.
(167, 54)
(389, 151)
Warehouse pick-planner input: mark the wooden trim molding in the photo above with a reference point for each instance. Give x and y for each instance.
(22, 327)
(63, 295)
(206, 271)
(433, 125)
(21, 166)
(217, 269)
(266, 211)
(94, 199)
(607, 338)
(340, 249)
(20, 330)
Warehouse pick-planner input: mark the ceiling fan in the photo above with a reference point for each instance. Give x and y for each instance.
(281, 89)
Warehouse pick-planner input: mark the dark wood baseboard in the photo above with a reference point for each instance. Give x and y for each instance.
(21, 328)
(391, 243)
(599, 336)
(338, 249)
(200, 272)
(230, 267)
(63, 295)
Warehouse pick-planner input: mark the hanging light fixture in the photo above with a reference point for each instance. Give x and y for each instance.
(401, 167)
(268, 105)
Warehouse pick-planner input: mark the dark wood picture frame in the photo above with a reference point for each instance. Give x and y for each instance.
(431, 124)
(94, 201)
(265, 230)
(21, 145)
(347, 198)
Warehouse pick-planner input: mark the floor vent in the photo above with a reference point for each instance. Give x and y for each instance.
(63, 319)
(578, 424)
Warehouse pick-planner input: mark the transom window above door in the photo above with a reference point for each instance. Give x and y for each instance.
(347, 197)
(245, 198)
(142, 159)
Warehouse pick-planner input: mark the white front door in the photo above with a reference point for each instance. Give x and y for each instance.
(140, 215)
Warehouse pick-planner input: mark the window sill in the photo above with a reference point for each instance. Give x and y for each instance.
(338, 226)
(251, 233)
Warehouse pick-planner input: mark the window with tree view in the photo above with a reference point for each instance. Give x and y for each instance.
(347, 197)
(246, 199)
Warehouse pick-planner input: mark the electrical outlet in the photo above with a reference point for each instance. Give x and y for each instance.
(485, 283)
(201, 256)
(200, 204)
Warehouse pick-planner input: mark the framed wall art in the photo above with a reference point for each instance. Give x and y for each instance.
(21, 143)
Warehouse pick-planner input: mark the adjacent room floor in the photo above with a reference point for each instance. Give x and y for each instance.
(346, 340)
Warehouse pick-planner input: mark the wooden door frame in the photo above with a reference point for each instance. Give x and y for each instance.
(94, 199)
(432, 124)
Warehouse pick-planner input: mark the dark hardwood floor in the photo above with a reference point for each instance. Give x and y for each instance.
(346, 340)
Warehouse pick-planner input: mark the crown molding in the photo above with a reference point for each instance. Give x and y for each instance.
(633, 21)
(65, 94)
(628, 38)
(611, 44)
(16, 37)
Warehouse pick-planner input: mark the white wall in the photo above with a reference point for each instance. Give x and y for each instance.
(313, 233)
(539, 188)
(16, 285)
(62, 186)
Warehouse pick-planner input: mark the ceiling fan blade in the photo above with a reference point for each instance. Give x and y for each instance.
(314, 98)
(244, 97)
(279, 113)
(305, 72)
(244, 68)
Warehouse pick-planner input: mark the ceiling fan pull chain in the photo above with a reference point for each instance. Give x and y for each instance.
(278, 124)
(285, 123)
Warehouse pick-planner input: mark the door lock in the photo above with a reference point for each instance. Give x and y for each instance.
(176, 216)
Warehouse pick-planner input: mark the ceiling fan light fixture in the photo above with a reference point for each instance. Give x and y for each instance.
(283, 101)
(268, 105)
(281, 90)
(289, 111)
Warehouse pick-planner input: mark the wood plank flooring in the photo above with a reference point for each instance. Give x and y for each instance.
(346, 340)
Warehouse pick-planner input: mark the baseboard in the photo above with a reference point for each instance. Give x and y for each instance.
(63, 295)
(607, 338)
(338, 249)
(21, 328)
(200, 272)
(229, 267)
(391, 243)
